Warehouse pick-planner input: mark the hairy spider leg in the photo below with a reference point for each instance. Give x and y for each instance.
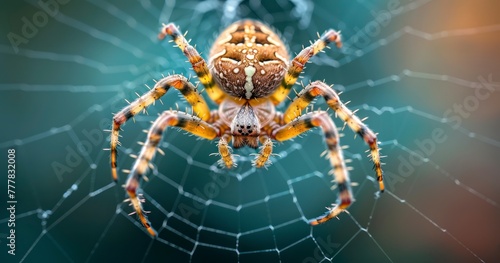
(266, 150)
(335, 155)
(299, 62)
(198, 63)
(319, 88)
(178, 119)
(200, 108)
(225, 152)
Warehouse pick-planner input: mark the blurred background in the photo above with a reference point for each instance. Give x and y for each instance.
(425, 72)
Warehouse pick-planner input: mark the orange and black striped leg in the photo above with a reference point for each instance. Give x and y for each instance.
(188, 90)
(299, 62)
(198, 63)
(178, 119)
(319, 88)
(266, 150)
(225, 152)
(339, 170)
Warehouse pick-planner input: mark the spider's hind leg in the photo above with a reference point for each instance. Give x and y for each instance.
(198, 63)
(299, 62)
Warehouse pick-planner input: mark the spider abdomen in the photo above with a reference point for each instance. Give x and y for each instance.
(248, 60)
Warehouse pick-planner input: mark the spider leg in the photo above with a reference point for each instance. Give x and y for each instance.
(198, 63)
(266, 150)
(225, 152)
(179, 82)
(299, 62)
(319, 88)
(321, 119)
(178, 119)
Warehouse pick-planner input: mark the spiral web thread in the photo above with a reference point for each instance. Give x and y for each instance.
(248, 213)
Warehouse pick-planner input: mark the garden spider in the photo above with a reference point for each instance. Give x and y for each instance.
(247, 75)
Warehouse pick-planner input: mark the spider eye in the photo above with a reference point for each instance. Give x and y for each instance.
(245, 127)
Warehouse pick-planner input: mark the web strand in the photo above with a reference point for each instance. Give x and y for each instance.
(200, 210)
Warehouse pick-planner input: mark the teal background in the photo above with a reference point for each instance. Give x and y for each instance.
(59, 90)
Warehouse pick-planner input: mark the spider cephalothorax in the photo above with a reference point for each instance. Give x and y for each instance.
(248, 74)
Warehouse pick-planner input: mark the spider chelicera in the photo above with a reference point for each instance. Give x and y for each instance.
(247, 75)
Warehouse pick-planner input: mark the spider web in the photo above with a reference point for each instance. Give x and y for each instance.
(423, 71)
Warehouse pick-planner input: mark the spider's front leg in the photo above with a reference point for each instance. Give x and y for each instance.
(200, 108)
(319, 88)
(321, 119)
(178, 119)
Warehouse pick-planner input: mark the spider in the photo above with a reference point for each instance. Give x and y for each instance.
(248, 73)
